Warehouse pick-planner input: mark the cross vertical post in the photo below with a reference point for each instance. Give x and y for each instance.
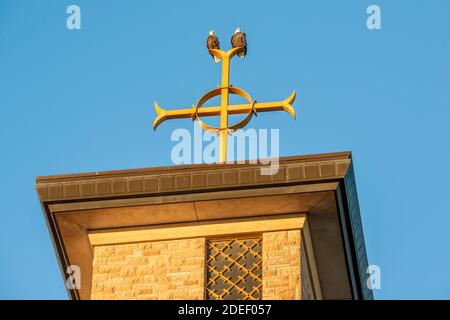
(224, 96)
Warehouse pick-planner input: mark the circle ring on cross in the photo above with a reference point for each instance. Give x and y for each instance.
(216, 92)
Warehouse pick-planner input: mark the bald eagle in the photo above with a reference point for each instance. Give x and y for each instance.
(239, 40)
(212, 42)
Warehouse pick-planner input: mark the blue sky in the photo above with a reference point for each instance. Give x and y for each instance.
(81, 100)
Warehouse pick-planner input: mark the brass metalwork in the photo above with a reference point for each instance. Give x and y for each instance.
(234, 269)
(197, 111)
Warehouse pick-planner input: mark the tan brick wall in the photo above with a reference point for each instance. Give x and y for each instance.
(172, 269)
(175, 269)
(285, 271)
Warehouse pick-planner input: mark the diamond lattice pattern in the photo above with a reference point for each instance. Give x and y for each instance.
(234, 269)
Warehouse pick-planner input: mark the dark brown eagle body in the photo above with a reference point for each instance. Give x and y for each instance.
(212, 42)
(239, 40)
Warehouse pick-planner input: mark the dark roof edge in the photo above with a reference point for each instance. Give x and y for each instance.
(173, 169)
(359, 251)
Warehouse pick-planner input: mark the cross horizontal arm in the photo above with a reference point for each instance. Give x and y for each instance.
(285, 105)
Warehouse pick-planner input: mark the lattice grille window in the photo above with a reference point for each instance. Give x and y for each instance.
(234, 269)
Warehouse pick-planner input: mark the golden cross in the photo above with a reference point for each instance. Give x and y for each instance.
(250, 108)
